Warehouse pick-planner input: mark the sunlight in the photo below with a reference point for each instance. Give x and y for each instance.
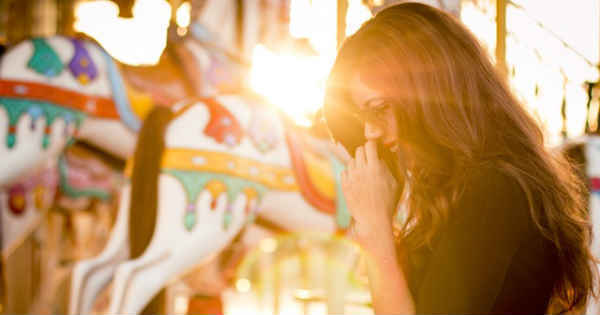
(295, 82)
(183, 15)
(136, 41)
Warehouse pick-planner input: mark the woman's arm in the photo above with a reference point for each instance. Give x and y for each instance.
(371, 194)
(389, 287)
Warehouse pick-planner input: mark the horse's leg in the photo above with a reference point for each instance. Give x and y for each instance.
(90, 276)
(173, 249)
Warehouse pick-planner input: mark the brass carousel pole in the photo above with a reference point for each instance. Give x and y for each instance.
(501, 36)
(342, 11)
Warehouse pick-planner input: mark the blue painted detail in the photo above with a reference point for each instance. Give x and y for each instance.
(35, 112)
(68, 117)
(200, 32)
(117, 84)
(342, 214)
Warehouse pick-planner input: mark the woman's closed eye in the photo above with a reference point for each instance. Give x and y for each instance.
(374, 115)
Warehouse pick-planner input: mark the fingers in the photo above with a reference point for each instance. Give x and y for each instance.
(371, 152)
(359, 157)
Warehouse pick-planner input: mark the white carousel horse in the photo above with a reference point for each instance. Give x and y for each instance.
(223, 160)
(219, 154)
(54, 90)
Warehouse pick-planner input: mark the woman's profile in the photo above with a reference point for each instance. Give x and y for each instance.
(496, 223)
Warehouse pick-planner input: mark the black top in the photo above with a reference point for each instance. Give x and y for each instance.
(488, 259)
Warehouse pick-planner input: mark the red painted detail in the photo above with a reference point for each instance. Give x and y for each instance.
(595, 184)
(47, 130)
(213, 204)
(309, 191)
(17, 202)
(97, 106)
(222, 126)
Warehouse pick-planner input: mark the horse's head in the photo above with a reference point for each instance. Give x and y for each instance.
(56, 88)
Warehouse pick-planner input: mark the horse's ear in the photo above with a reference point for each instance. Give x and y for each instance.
(144, 179)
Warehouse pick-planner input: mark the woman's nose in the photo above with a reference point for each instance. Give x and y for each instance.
(372, 132)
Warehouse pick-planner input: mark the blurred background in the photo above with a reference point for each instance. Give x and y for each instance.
(548, 49)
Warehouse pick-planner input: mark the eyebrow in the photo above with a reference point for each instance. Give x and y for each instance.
(375, 102)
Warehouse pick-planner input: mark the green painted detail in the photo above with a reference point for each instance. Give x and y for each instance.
(15, 108)
(342, 214)
(45, 60)
(193, 183)
(10, 141)
(189, 220)
(45, 141)
(73, 192)
(227, 219)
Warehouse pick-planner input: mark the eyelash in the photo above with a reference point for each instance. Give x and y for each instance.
(374, 113)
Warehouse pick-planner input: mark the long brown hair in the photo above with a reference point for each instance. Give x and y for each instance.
(455, 112)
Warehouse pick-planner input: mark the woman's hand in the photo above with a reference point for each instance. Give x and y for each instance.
(371, 193)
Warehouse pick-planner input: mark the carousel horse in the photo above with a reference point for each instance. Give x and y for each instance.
(205, 170)
(198, 175)
(52, 91)
(224, 158)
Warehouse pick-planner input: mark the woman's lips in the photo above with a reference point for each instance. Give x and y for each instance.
(392, 145)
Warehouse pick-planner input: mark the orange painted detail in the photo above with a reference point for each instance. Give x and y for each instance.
(223, 127)
(39, 194)
(216, 188)
(309, 189)
(96, 106)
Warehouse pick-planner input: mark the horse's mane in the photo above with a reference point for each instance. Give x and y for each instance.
(143, 208)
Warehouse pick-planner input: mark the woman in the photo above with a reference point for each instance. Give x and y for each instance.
(494, 222)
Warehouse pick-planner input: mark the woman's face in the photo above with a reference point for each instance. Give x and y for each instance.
(380, 121)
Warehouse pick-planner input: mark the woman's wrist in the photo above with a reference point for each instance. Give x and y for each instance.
(374, 233)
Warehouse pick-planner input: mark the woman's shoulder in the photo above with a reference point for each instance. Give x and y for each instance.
(491, 194)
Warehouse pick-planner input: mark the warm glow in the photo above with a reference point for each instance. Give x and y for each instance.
(242, 285)
(481, 21)
(183, 15)
(542, 70)
(268, 245)
(296, 82)
(293, 82)
(357, 14)
(137, 41)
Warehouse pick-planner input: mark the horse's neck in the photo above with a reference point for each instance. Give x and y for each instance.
(219, 18)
